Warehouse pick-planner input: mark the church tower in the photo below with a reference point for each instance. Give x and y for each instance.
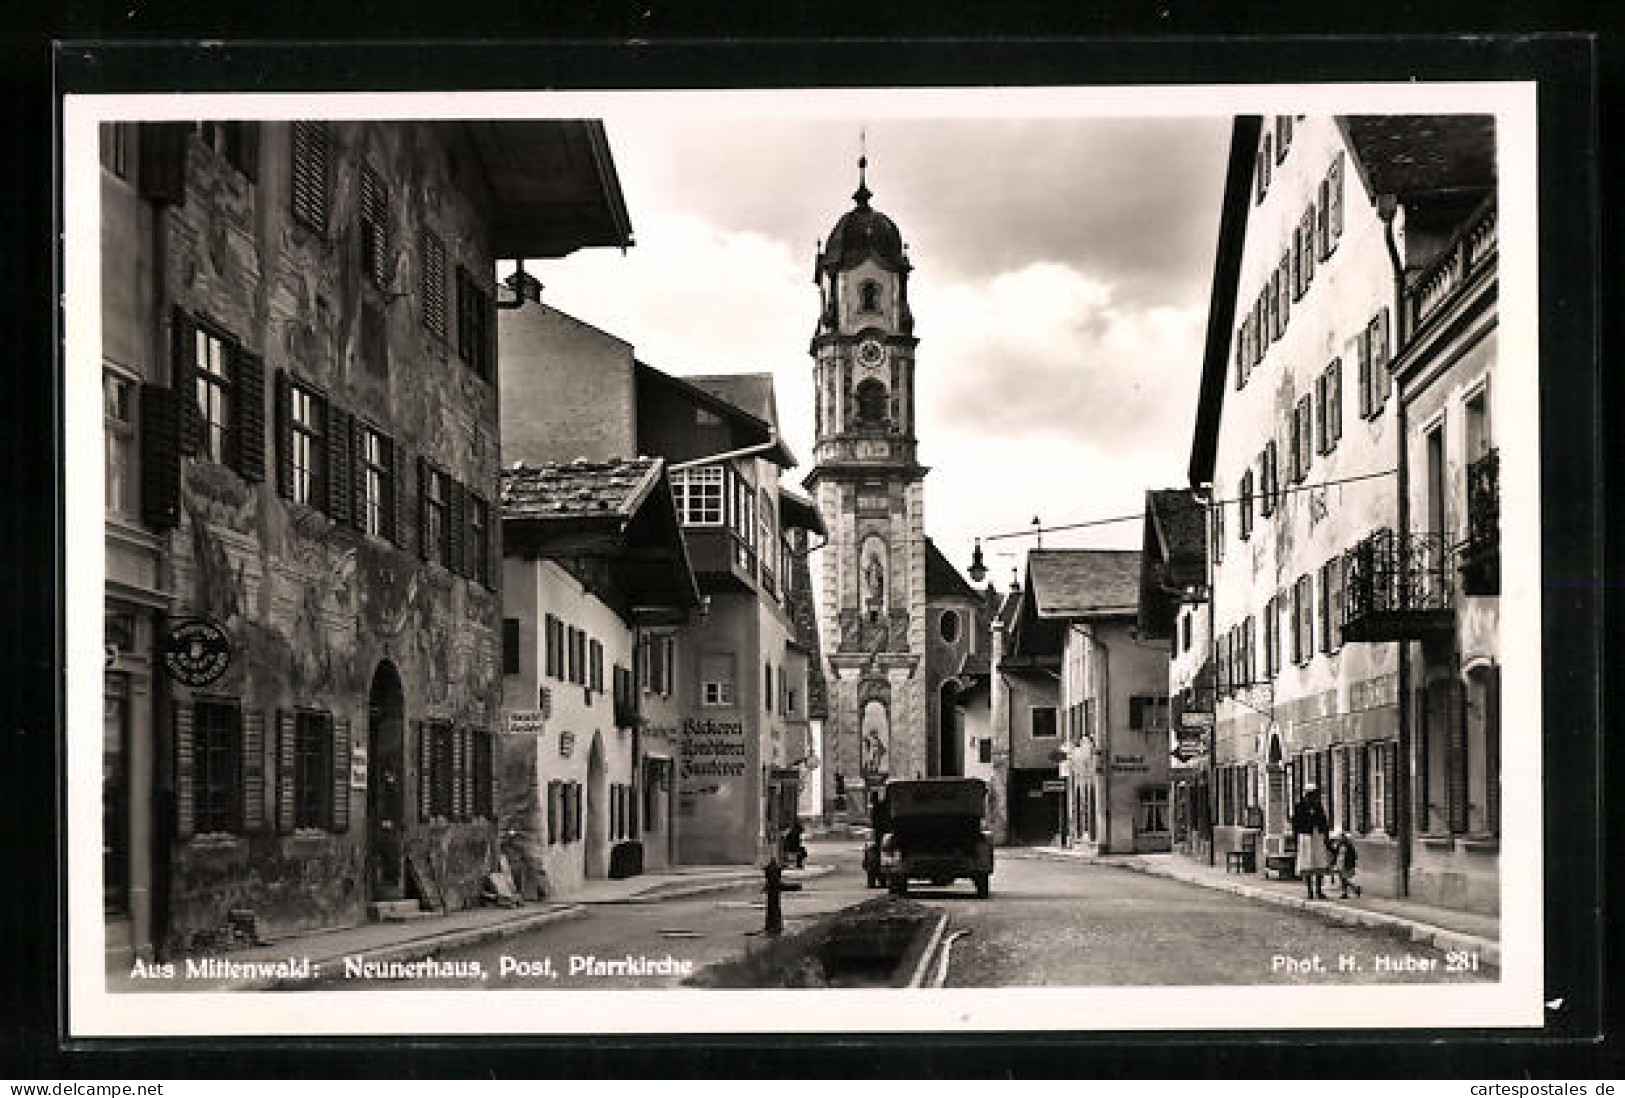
(869, 489)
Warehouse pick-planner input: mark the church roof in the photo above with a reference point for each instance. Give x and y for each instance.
(862, 233)
(942, 579)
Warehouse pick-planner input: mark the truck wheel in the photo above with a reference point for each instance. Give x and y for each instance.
(874, 879)
(982, 886)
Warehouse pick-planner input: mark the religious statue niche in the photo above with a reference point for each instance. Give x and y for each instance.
(873, 578)
(875, 740)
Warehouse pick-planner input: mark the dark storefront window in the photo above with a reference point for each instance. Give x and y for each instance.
(312, 770)
(116, 794)
(216, 758)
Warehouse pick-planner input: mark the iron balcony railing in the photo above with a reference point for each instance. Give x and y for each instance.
(1398, 587)
(1481, 552)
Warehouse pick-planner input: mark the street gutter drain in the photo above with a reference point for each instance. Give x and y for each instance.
(679, 932)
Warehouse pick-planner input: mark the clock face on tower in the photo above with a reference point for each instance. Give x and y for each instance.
(871, 353)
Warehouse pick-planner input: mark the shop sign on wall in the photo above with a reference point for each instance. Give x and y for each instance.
(358, 765)
(196, 652)
(567, 744)
(1129, 764)
(525, 722)
(712, 749)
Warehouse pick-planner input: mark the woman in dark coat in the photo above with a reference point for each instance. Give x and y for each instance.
(1310, 825)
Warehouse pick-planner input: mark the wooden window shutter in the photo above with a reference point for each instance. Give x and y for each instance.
(160, 457)
(553, 811)
(284, 435)
(340, 482)
(1323, 223)
(253, 807)
(1306, 410)
(423, 509)
(1492, 749)
(248, 415)
(1296, 255)
(425, 771)
(1320, 417)
(488, 347)
(459, 774)
(1362, 788)
(1346, 789)
(162, 165)
(182, 354)
(286, 730)
(1241, 355)
(1307, 230)
(355, 449)
(576, 828)
(1390, 789)
(1456, 756)
(1380, 356)
(457, 526)
(1364, 341)
(1336, 199)
(310, 174)
(185, 799)
(1334, 403)
(339, 810)
(397, 516)
(1283, 288)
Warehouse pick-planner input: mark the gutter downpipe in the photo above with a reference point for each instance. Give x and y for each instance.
(1387, 207)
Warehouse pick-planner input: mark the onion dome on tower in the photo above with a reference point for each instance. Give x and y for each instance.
(863, 232)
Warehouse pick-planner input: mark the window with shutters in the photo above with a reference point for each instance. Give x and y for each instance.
(442, 776)
(436, 517)
(1268, 488)
(211, 388)
(237, 142)
(479, 540)
(1374, 353)
(311, 145)
(1043, 722)
(717, 679)
(1271, 624)
(595, 666)
(1283, 136)
(1217, 511)
(474, 335)
(307, 443)
(433, 250)
(1246, 505)
(1305, 640)
(1302, 430)
(1283, 292)
(374, 211)
(1265, 160)
(1249, 650)
(375, 502)
(312, 770)
(118, 424)
(1148, 713)
(217, 737)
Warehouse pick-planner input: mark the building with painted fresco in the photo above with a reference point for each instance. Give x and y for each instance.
(1080, 615)
(738, 674)
(303, 592)
(1324, 582)
(595, 579)
(1173, 609)
(1444, 371)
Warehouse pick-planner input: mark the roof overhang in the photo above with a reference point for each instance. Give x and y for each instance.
(554, 187)
(798, 511)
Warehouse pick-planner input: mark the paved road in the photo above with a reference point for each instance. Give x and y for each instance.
(1048, 922)
(1068, 923)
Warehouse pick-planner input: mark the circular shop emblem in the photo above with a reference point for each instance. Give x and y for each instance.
(197, 652)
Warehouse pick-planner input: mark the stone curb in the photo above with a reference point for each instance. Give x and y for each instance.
(658, 893)
(1487, 949)
(931, 947)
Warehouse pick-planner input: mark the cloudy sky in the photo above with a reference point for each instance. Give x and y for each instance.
(1059, 292)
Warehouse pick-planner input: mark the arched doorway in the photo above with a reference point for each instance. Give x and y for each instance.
(950, 731)
(386, 842)
(596, 852)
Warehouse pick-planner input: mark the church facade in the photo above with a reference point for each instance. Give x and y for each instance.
(868, 486)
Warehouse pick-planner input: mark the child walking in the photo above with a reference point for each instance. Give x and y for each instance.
(1345, 861)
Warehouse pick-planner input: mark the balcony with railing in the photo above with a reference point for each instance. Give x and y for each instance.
(1398, 588)
(1480, 554)
(1470, 251)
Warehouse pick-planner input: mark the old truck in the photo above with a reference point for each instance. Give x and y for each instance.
(933, 832)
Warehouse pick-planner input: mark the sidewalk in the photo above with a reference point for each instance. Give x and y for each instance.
(326, 951)
(1441, 927)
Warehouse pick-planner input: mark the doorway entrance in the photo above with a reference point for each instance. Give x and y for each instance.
(951, 731)
(596, 852)
(386, 842)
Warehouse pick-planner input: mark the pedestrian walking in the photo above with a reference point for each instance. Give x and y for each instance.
(793, 845)
(1309, 825)
(1345, 861)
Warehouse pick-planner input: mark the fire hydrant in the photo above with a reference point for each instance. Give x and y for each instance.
(772, 886)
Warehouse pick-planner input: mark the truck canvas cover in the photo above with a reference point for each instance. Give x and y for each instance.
(936, 797)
